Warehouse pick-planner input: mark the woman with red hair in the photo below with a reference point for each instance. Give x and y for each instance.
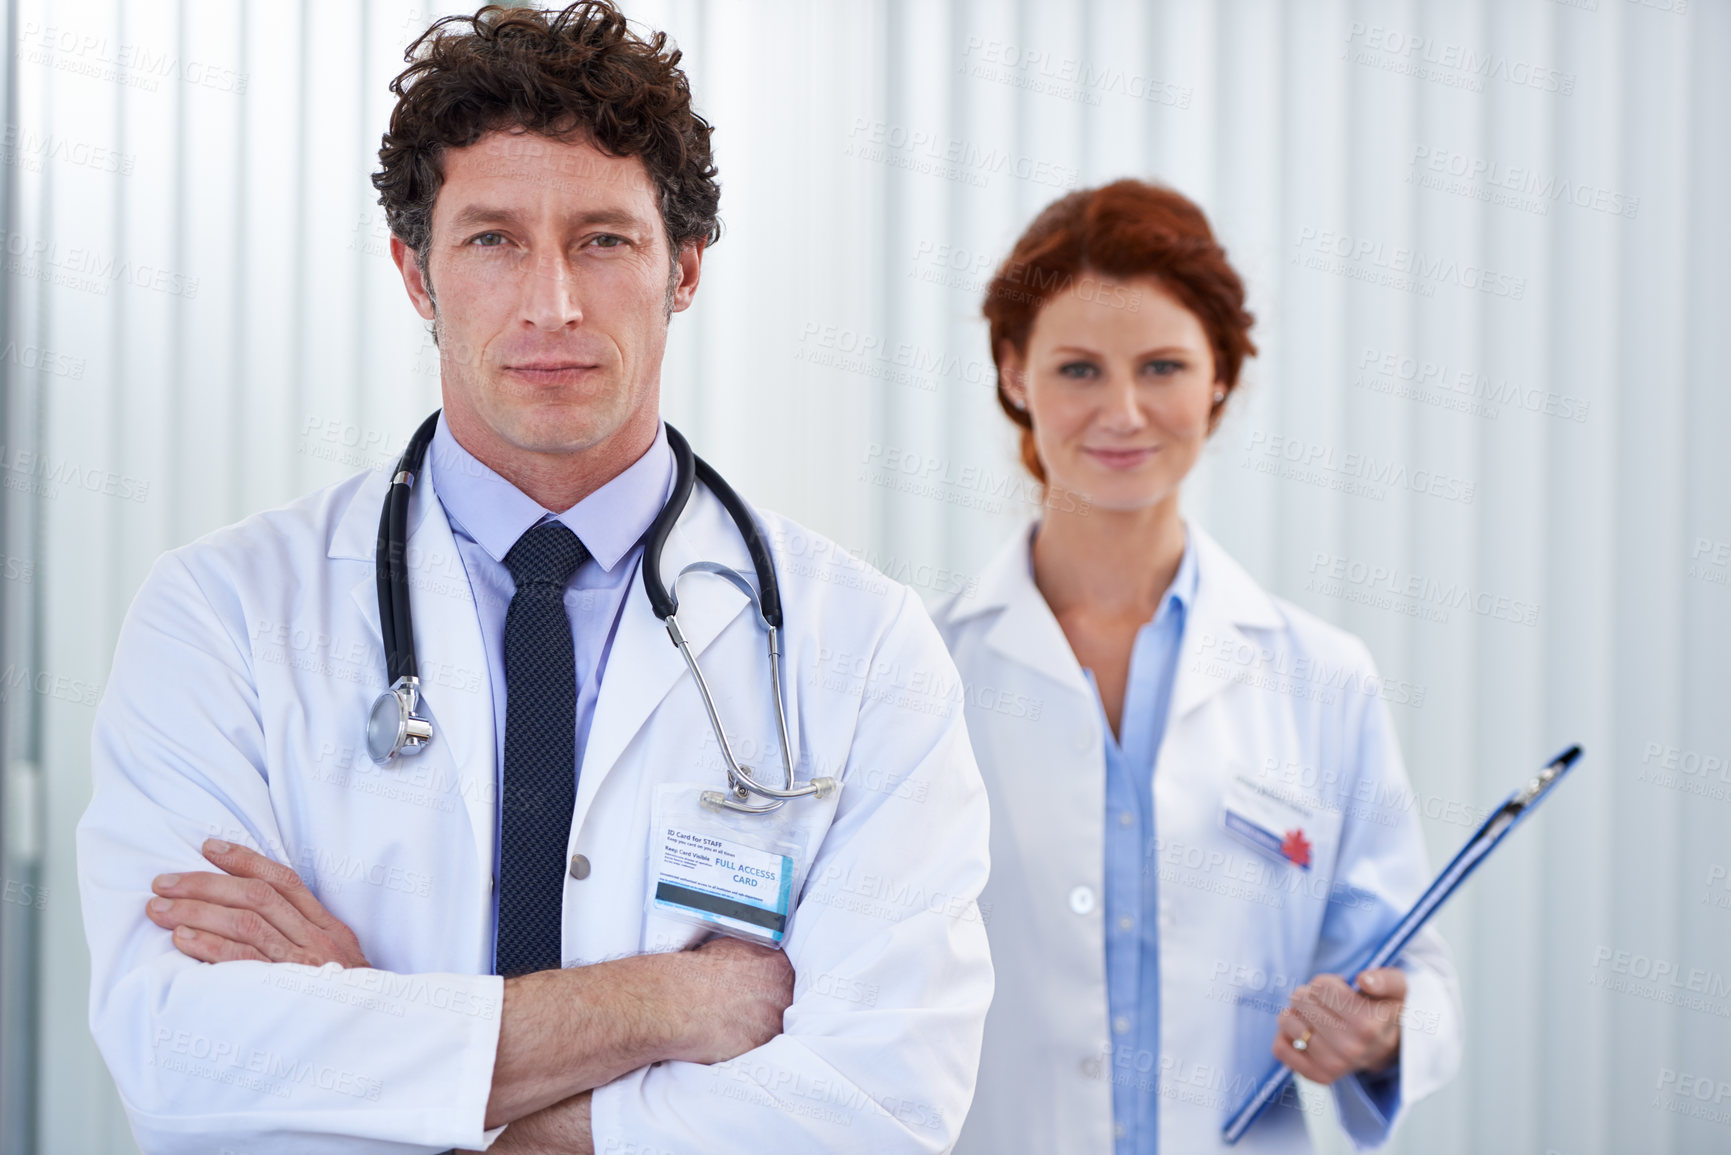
(1200, 819)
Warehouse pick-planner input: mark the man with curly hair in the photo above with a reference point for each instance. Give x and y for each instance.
(460, 949)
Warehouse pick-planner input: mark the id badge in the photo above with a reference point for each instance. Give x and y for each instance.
(1269, 819)
(735, 874)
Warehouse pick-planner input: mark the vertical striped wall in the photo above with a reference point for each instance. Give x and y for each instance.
(1487, 247)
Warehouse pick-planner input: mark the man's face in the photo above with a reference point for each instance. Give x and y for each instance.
(549, 278)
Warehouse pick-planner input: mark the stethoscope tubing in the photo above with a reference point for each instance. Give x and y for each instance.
(397, 627)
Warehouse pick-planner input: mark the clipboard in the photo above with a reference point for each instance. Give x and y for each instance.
(1494, 829)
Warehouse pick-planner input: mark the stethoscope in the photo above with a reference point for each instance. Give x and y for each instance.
(395, 726)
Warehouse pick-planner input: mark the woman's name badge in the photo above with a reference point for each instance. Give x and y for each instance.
(739, 889)
(1269, 819)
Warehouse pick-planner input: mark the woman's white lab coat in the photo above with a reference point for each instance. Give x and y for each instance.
(1264, 692)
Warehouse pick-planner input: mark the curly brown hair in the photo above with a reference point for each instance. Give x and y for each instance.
(552, 73)
(1125, 229)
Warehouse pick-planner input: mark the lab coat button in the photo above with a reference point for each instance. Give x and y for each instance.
(579, 867)
(1082, 900)
(1091, 1068)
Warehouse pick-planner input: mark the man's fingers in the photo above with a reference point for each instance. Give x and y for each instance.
(239, 893)
(234, 924)
(213, 948)
(247, 863)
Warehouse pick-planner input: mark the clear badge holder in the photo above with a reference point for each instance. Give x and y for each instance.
(729, 873)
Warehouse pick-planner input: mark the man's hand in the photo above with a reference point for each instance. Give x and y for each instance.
(1343, 1030)
(259, 910)
(563, 1032)
(732, 995)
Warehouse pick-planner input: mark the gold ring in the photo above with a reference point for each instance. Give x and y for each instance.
(1302, 1043)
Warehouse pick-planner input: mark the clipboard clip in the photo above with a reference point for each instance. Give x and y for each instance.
(1528, 794)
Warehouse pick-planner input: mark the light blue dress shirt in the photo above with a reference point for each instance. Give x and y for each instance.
(1132, 899)
(488, 514)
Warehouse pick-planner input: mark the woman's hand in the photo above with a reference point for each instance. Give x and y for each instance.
(1331, 1030)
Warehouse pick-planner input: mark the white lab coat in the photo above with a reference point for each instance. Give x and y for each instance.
(241, 685)
(1259, 685)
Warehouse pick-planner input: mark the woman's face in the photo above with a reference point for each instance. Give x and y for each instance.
(1120, 387)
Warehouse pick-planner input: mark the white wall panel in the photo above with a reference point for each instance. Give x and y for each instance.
(240, 336)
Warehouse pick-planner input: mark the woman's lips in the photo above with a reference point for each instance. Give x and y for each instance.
(1122, 458)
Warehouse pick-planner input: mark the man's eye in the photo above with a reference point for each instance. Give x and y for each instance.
(488, 240)
(609, 241)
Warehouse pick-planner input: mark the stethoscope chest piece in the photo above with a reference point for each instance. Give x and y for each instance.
(394, 727)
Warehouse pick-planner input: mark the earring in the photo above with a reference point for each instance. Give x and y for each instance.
(1219, 396)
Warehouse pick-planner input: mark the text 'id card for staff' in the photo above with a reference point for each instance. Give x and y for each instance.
(736, 888)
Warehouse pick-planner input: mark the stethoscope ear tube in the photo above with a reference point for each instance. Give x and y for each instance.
(662, 599)
(391, 561)
(769, 598)
(688, 469)
(383, 570)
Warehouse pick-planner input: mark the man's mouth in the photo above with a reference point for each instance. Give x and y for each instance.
(550, 372)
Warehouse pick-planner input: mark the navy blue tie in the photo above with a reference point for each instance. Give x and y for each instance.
(539, 792)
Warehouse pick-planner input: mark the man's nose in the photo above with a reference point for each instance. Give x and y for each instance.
(550, 297)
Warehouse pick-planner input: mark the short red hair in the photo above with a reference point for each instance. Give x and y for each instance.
(1122, 230)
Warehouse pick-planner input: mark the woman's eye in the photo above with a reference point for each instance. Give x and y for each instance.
(1076, 370)
(1162, 368)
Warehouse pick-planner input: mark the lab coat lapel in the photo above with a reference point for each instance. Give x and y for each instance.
(643, 664)
(450, 655)
(1228, 601)
(1025, 632)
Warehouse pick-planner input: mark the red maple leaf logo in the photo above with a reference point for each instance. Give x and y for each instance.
(1296, 849)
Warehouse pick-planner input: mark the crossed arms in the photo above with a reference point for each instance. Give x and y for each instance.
(561, 1032)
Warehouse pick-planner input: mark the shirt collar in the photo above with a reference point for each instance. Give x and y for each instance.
(495, 513)
(1181, 594)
